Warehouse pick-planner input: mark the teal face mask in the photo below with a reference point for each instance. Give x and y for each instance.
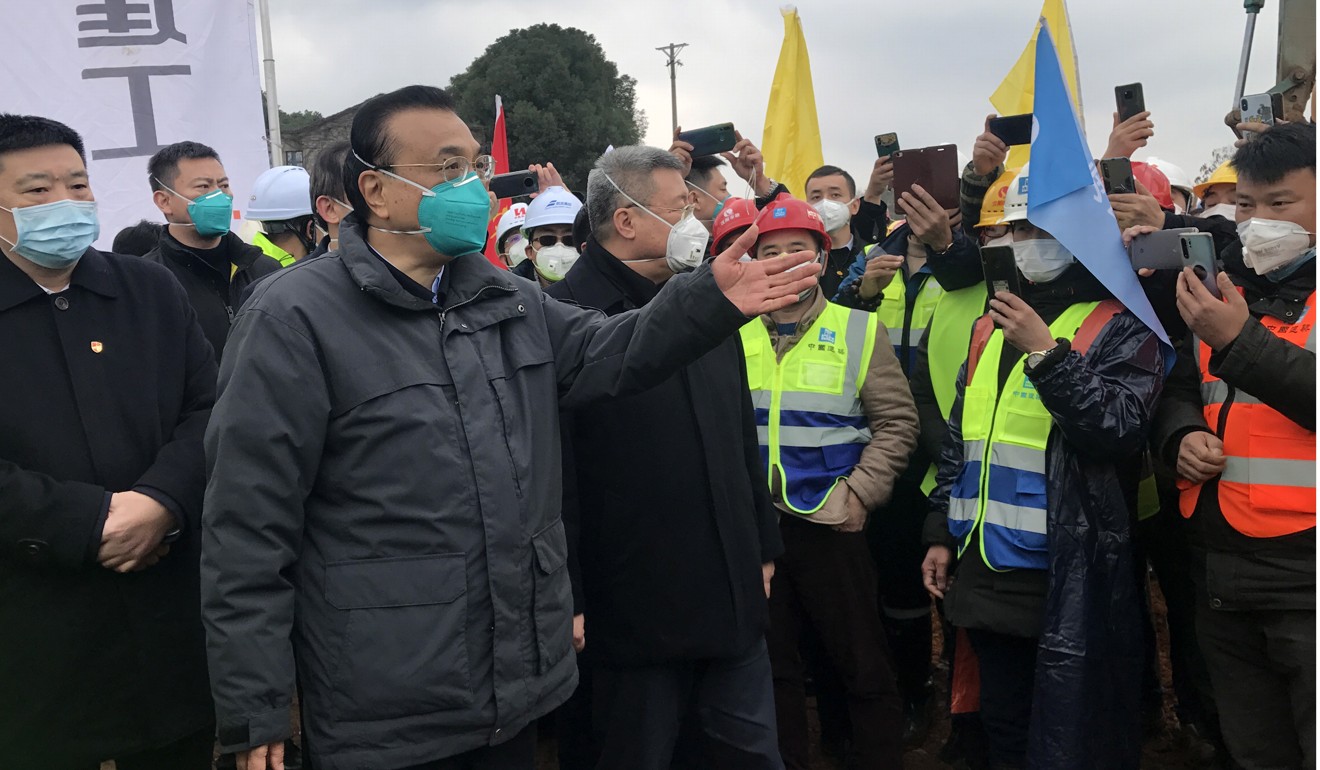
(452, 215)
(211, 213)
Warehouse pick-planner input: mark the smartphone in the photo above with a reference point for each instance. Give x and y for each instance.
(886, 144)
(1198, 253)
(709, 140)
(1001, 273)
(1130, 100)
(1117, 175)
(1012, 129)
(934, 168)
(1162, 250)
(514, 184)
(1262, 108)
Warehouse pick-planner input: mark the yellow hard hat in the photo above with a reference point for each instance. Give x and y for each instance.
(1225, 174)
(992, 206)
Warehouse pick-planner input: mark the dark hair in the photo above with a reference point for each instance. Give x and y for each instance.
(163, 168)
(138, 239)
(369, 139)
(702, 167)
(581, 229)
(23, 132)
(327, 176)
(833, 171)
(1271, 155)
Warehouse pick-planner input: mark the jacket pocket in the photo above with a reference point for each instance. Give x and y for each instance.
(405, 640)
(553, 600)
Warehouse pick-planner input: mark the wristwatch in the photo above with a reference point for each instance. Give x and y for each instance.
(1037, 360)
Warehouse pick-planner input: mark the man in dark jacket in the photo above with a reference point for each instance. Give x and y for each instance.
(329, 206)
(1051, 413)
(215, 267)
(674, 558)
(384, 497)
(1238, 423)
(107, 388)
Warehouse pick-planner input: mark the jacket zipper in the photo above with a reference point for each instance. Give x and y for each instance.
(468, 301)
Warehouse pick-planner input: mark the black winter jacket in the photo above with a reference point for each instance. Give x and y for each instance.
(384, 499)
(672, 505)
(1089, 661)
(216, 295)
(106, 387)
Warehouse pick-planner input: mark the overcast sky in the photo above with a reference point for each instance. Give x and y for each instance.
(924, 69)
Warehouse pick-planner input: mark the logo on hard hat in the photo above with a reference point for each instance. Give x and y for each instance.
(1022, 185)
(779, 213)
(811, 214)
(559, 204)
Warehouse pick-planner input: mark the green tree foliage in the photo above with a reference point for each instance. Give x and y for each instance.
(564, 102)
(292, 121)
(1220, 155)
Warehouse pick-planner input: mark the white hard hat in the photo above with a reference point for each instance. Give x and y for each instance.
(511, 220)
(1178, 178)
(554, 206)
(1015, 200)
(283, 192)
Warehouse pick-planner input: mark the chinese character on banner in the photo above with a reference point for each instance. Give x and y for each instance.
(134, 76)
(122, 22)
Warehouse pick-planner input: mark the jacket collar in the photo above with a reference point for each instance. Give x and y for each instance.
(599, 280)
(239, 254)
(808, 318)
(465, 276)
(92, 273)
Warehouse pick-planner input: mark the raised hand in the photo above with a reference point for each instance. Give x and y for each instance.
(761, 286)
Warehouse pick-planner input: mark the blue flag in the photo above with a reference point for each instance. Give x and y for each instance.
(1066, 198)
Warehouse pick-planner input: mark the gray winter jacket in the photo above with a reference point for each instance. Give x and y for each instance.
(384, 499)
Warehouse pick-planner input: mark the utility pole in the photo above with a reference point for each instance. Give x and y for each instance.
(671, 51)
(272, 102)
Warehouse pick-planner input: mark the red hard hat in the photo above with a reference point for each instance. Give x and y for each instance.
(1155, 181)
(789, 213)
(737, 215)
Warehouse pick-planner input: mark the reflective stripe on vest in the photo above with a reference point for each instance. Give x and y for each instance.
(1267, 488)
(809, 418)
(893, 311)
(950, 332)
(1000, 494)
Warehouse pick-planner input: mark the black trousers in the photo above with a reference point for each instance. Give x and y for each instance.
(826, 580)
(517, 753)
(1008, 673)
(894, 534)
(192, 752)
(723, 708)
(1262, 665)
(573, 732)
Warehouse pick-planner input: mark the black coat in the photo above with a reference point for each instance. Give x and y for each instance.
(673, 508)
(93, 662)
(214, 295)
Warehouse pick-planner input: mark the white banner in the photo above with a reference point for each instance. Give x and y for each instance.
(132, 76)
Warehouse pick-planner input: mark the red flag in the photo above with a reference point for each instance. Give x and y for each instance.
(499, 150)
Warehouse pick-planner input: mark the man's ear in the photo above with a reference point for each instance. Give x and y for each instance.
(624, 224)
(855, 206)
(372, 187)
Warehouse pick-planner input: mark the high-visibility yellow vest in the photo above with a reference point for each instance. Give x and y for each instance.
(271, 250)
(893, 312)
(809, 417)
(999, 497)
(950, 332)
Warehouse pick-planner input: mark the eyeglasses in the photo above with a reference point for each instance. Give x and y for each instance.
(683, 211)
(457, 168)
(545, 241)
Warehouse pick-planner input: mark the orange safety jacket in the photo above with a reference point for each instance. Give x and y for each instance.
(1268, 486)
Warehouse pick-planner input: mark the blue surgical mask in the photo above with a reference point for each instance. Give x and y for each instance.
(452, 215)
(54, 235)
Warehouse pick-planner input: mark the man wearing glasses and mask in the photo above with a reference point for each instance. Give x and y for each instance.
(678, 534)
(383, 510)
(548, 237)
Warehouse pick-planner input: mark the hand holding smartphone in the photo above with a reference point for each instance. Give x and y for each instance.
(710, 140)
(1160, 250)
(1198, 253)
(886, 144)
(1012, 129)
(1130, 100)
(1117, 176)
(1001, 273)
(514, 184)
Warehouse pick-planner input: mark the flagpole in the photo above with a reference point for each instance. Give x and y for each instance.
(272, 101)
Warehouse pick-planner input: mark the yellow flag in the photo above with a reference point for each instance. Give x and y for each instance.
(1017, 93)
(791, 143)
